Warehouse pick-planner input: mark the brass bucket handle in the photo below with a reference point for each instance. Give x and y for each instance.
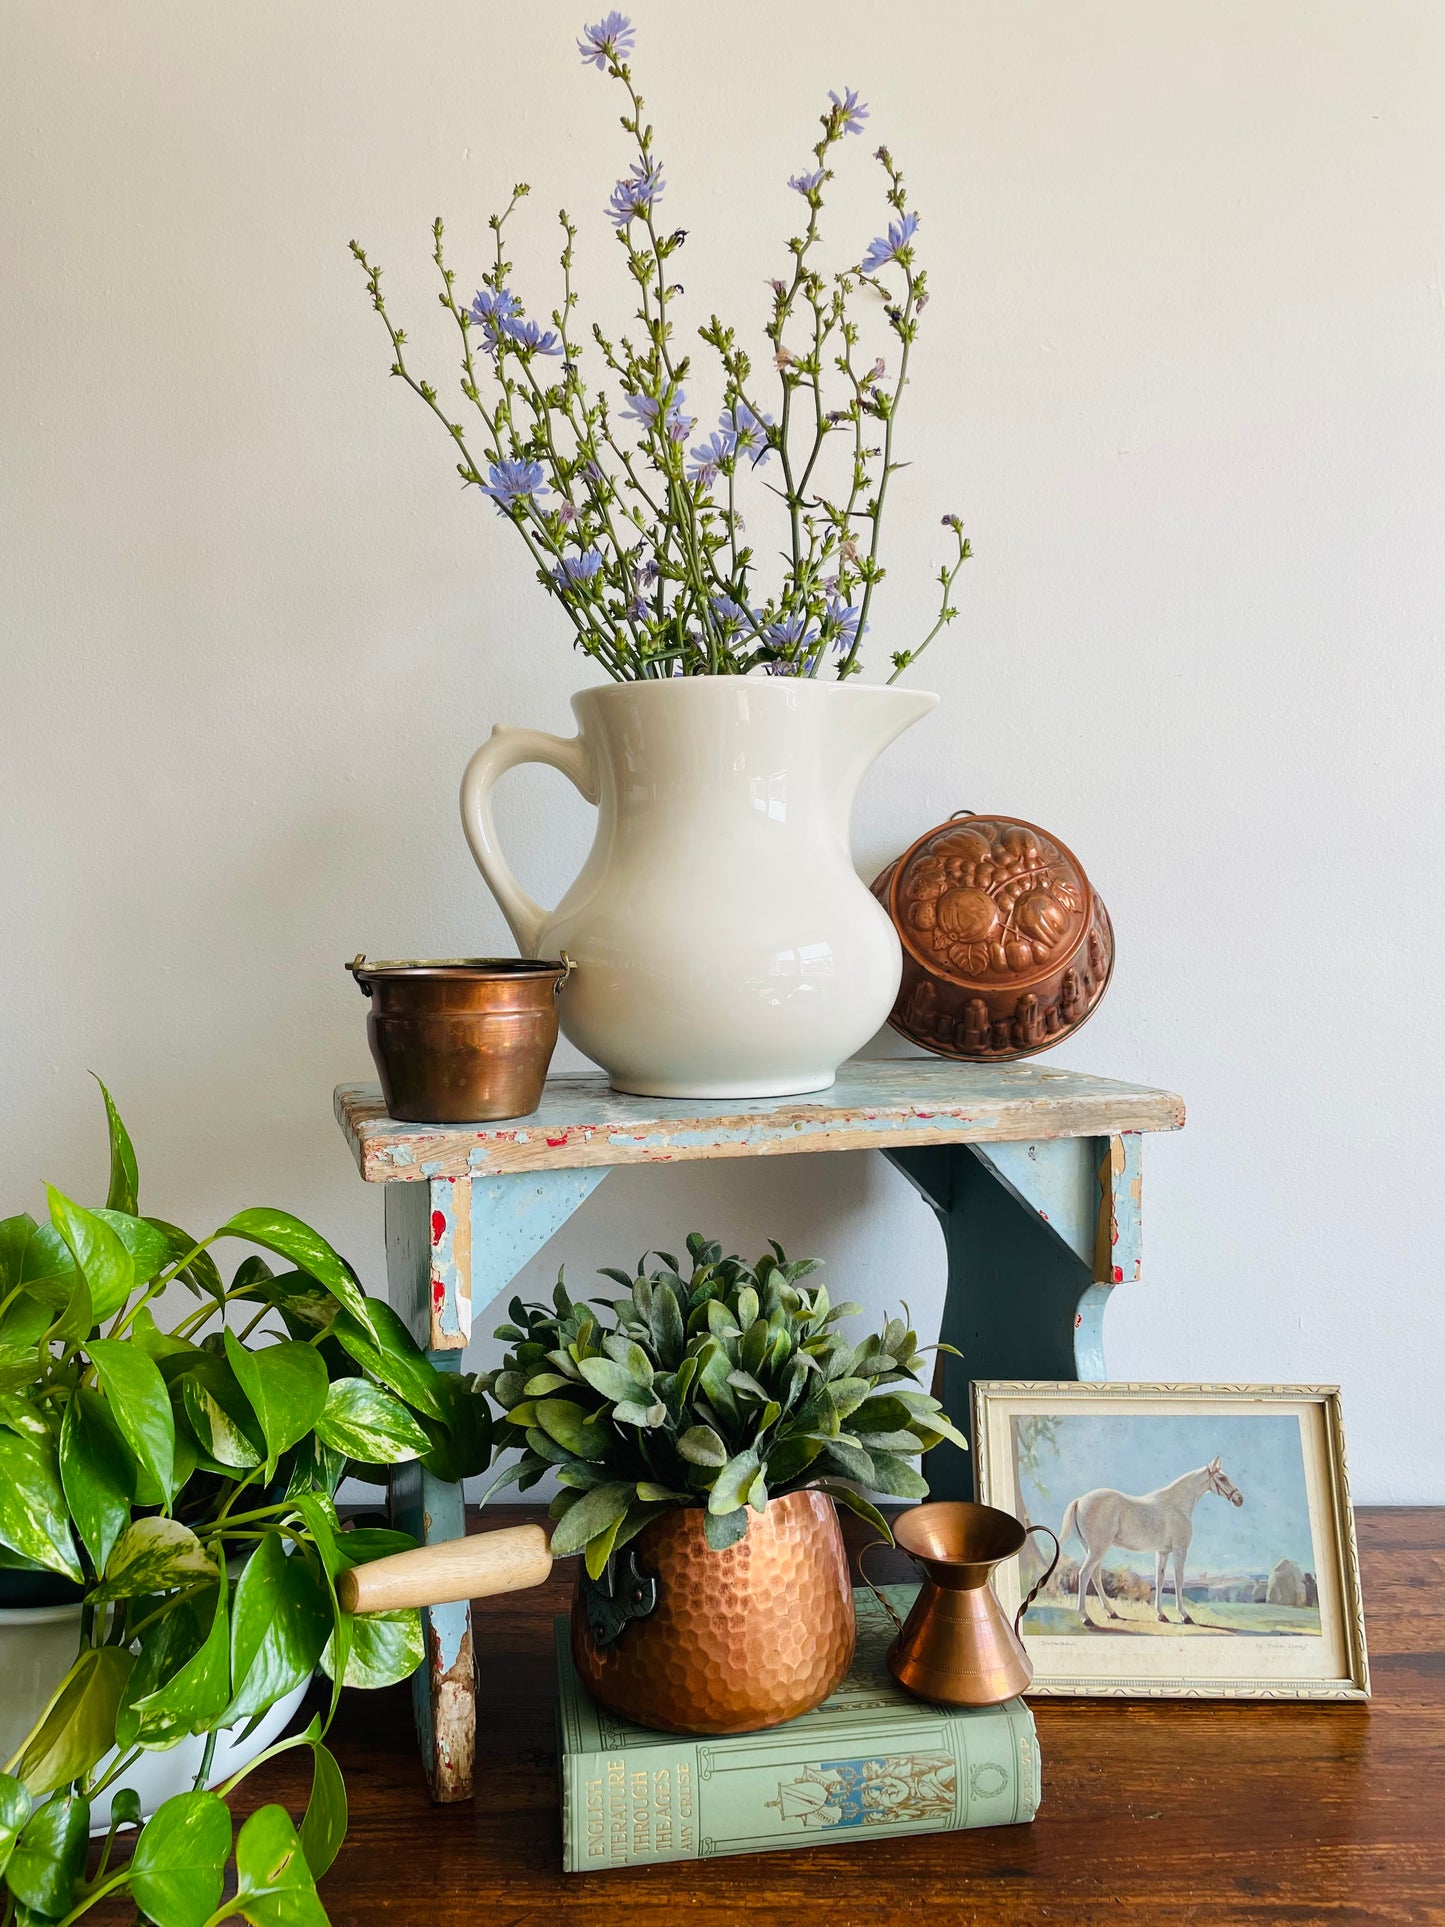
(883, 1600)
(570, 964)
(357, 964)
(1033, 1595)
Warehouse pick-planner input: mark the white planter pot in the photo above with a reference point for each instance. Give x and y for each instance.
(725, 946)
(38, 1645)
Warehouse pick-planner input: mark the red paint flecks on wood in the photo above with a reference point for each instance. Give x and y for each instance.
(554, 1142)
(1118, 1274)
(1078, 1319)
(438, 1226)
(438, 1295)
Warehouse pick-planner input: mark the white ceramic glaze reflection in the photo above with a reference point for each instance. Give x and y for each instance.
(725, 945)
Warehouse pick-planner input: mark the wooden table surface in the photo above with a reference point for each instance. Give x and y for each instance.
(1158, 1813)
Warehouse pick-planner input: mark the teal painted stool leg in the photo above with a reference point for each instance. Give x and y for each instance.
(450, 1243)
(1037, 1235)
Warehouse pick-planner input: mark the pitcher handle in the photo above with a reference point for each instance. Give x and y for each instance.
(883, 1600)
(504, 749)
(1033, 1595)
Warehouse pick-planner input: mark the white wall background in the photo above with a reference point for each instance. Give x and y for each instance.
(1183, 372)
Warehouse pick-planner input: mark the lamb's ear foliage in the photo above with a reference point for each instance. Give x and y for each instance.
(719, 1389)
(178, 1482)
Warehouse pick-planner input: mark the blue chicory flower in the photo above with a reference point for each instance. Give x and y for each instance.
(509, 483)
(806, 183)
(792, 632)
(709, 456)
(648, 410)
(577, 571)
(527, 334)
(886, 248)
(611, 39)
(638, 192)
(854, 111)
(842, 619)
(749, 434)
(494, 310)
(642, 408)
(729, 613)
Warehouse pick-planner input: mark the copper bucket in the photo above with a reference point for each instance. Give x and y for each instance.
(462, 1040)
(956, 1646)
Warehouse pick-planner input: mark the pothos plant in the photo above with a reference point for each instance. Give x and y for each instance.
(179, 1483)
(721, 1388)
(640, 536)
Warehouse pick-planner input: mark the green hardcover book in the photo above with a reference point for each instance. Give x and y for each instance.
(869, 1761)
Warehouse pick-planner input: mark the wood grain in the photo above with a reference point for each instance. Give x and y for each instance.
(874, 1105)
(504, 1559)
(1157, 1813)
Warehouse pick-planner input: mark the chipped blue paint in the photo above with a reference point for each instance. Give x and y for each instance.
(582, 1121)
(1089, 1334)
(450, 1274)
(1121, 1200)
(1058, 1179)
(512, 1218)
(432, 1510)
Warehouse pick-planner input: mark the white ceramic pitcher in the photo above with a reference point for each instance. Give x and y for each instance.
(725, 946)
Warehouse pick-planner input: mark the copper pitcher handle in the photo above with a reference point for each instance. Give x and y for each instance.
(1033, 1595)
(883, 1600)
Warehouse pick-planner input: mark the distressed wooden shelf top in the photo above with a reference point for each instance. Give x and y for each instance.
(879, 1104)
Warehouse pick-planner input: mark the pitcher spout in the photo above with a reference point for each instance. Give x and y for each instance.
(867, 720)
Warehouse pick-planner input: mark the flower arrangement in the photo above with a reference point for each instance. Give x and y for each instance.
(635, 526)
(720, 1389)
(177, 1485)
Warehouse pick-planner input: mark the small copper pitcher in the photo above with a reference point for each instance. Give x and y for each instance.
(956, 1646)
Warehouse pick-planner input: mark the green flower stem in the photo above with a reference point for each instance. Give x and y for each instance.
(544, 424)
(906, 658)
(541, 414)
(884, 476)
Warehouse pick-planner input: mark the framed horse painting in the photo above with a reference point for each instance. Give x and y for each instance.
(1207, 1545)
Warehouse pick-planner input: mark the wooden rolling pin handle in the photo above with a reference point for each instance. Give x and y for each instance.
(472, 1568)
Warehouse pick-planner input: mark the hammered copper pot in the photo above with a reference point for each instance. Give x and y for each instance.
(737, 1640)
(1007, 946)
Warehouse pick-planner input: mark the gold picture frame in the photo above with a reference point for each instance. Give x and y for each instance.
(1250, 1618)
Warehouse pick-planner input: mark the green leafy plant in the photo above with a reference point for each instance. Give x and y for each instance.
(720, 1389)
(180, 1485)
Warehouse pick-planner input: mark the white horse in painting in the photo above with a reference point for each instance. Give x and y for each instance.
(1160, 1522)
